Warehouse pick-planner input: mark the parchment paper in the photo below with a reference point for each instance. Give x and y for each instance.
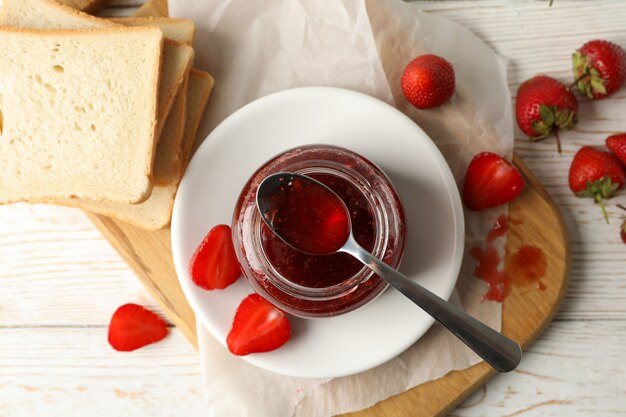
(257, 47)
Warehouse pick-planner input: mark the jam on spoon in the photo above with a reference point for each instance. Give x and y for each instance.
(311, 219)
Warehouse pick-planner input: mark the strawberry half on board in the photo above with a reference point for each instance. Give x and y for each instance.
(490, 181)
(599, 68)
(258, 326)
(428, 81)
(596, 174)
(214, 265)
(132, 327)
(544, 106)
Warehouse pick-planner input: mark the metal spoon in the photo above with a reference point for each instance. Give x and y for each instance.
(280, 207)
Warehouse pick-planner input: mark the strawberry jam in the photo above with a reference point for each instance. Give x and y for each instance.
(308, 285)
(319, 271)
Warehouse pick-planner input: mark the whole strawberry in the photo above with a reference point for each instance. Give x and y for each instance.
(596, 174)
(428, 81)
(544, 106)
(599, 68)
(617, 146)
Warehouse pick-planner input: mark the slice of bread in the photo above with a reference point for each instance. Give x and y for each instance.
(88, 6)
(181, 30)
(156, 212)
(48, 14)
(200, 87)
(168, 162)
(68, 132)
(153, 8)
(177, 58)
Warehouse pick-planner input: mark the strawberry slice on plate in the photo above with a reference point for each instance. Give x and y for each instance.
(132, 327)
(214, 265)
(258, 327)
(490, 181)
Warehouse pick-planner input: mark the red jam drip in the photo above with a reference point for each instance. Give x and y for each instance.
(321, 271)
(499, 228)
(526, 266)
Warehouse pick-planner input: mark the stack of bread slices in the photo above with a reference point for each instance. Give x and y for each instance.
(97, 113)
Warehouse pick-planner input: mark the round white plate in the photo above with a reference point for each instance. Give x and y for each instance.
(370, 335)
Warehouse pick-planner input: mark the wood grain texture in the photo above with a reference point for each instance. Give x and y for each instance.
(61, 281)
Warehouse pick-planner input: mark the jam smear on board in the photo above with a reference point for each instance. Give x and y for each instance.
(526, 266)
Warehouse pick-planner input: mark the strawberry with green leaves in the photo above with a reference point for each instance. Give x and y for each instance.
(545, 106)
(599, 68)
(596, 174)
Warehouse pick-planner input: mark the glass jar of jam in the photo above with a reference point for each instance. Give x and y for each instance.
(327, 285)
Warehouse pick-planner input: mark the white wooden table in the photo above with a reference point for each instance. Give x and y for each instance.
(60, 281)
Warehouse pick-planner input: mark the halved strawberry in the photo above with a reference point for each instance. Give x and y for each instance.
(617, 146)
(258, 327)
(490, 181)
(214, 265)
(132, 327)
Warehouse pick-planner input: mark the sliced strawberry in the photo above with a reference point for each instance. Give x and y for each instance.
(617, 146)
(258, 327)
(490, 181)
(214, 265)
(132, 327)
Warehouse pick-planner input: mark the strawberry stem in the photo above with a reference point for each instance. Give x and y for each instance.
(550, 4)
(620, 206)
(582, 77)
(558, 140)
(600, 202)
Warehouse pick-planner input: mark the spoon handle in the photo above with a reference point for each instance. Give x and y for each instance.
(496, 349)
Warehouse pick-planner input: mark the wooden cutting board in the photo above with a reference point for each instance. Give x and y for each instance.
(526, 311)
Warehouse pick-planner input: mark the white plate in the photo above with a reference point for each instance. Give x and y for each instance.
(370, 335)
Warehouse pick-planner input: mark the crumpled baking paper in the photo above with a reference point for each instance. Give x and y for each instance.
(257, 47)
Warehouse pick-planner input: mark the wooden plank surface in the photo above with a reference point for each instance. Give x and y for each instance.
(60, 280)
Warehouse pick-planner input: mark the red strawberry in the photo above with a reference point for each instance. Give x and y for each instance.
(132, 327)
(490, 181)
(258, 327)
(617, 145)
(428, 81)
(599, 68)
(596, 174)
(214, 265)
(544, 106)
